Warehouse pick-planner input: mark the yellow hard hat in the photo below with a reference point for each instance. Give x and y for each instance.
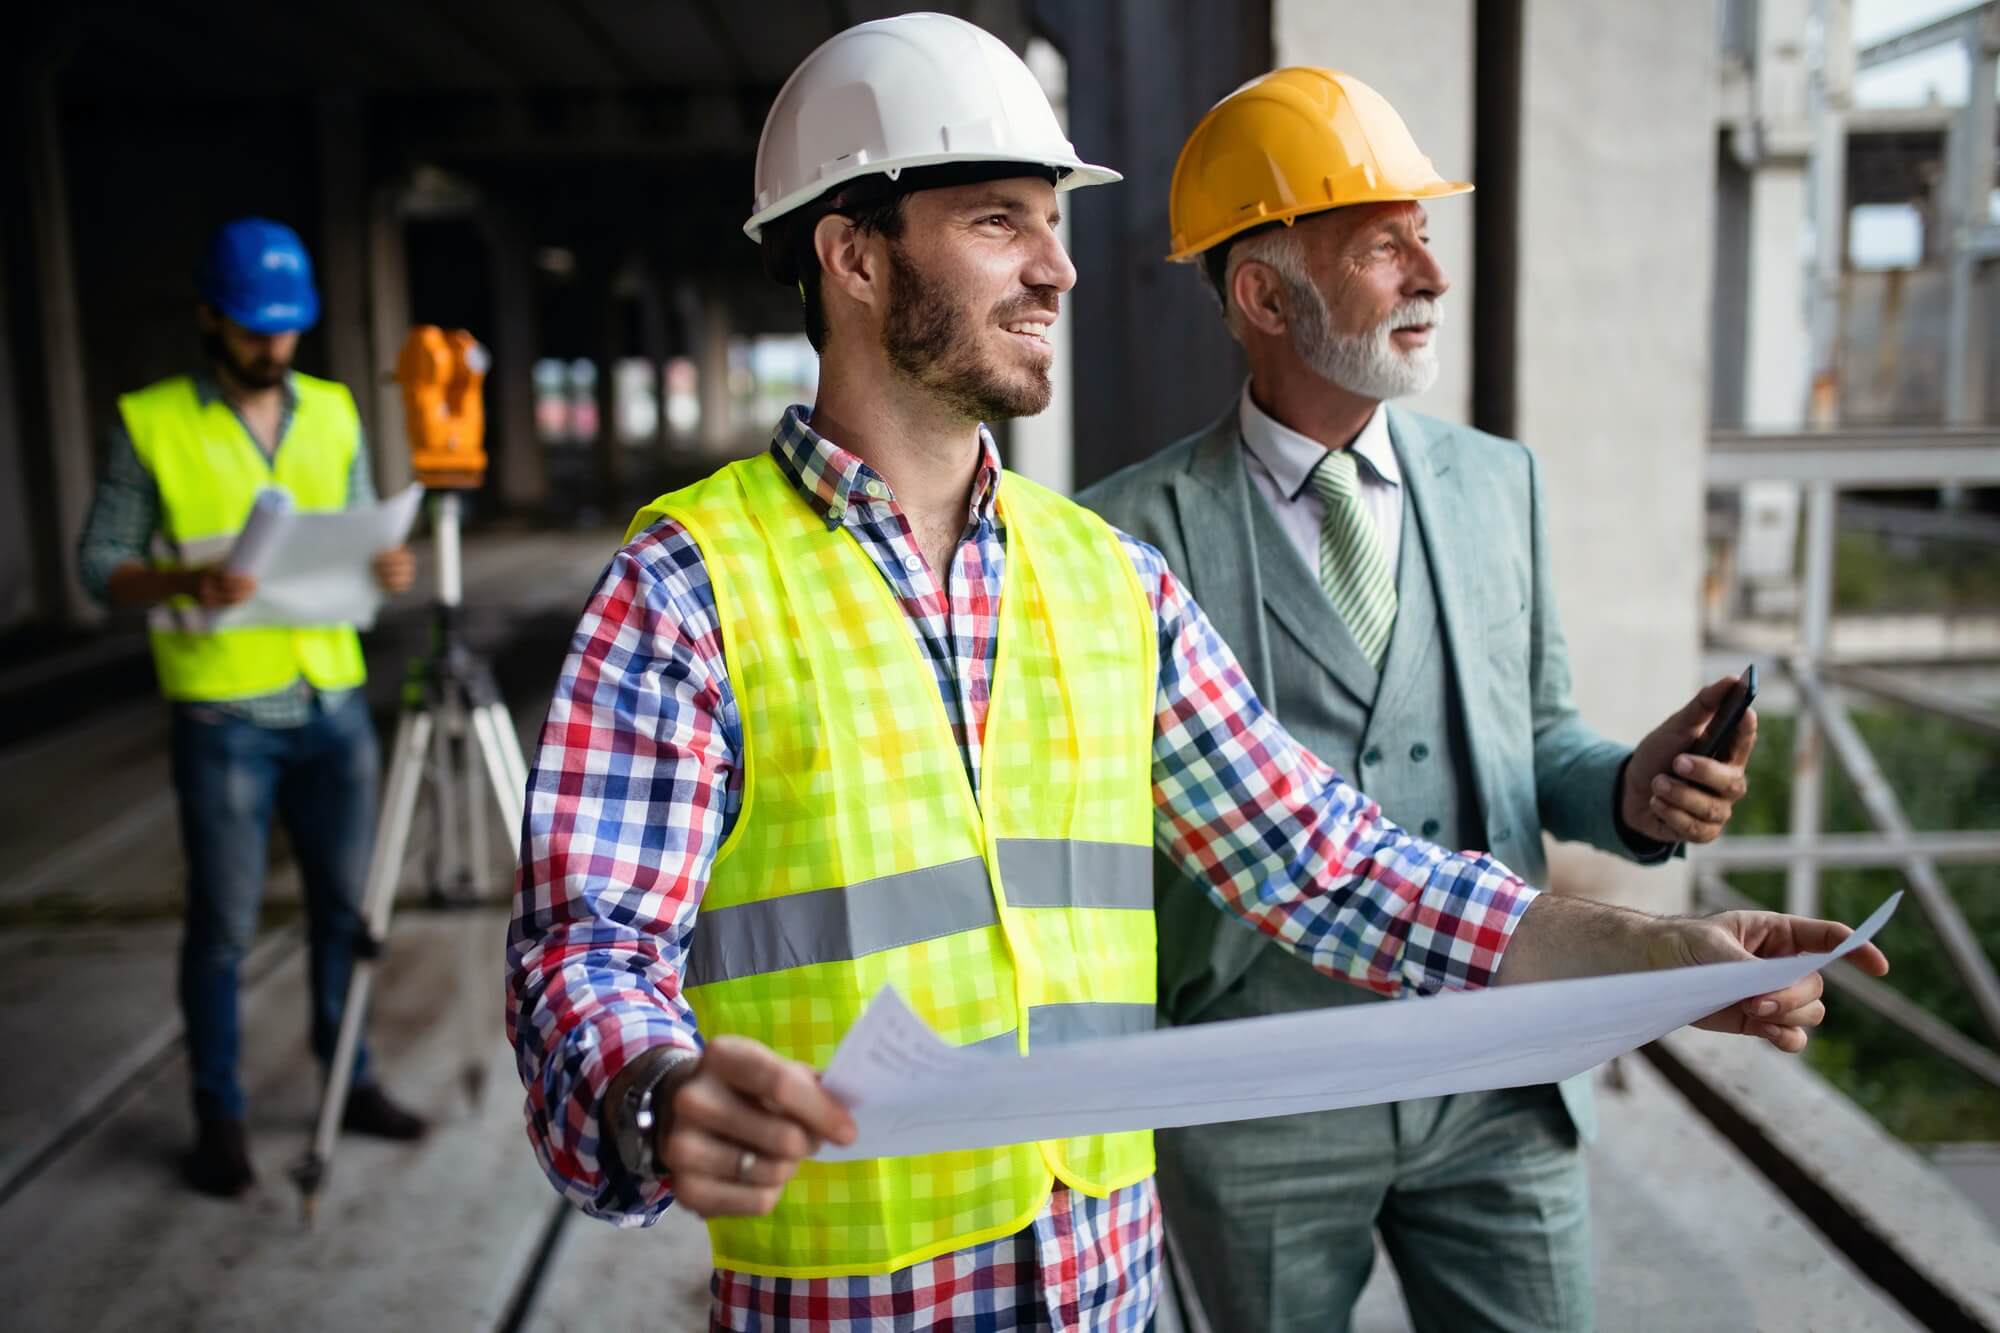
(1294, 141)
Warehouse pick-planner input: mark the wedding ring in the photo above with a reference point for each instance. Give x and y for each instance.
(745, 1165)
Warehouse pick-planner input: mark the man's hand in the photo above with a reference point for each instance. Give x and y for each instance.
(1784, 1017)
(1573, 937)
(742, 1120)
(215, 587)
(1670, 795)
(395, 569)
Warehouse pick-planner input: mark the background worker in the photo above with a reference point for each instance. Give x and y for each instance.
(267, 720)
(866, 709)
(1384, 579)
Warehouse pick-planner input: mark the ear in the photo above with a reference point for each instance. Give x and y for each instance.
(849, 262)
(206, 319)
(1256, 290)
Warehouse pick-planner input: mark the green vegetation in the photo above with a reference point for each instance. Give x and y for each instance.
(1939, 576)
(1946, 779)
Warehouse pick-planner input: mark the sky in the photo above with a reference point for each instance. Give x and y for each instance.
(1935, 75)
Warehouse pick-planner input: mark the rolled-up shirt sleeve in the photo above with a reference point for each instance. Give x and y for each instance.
(124, 514)
(1285, 844)
(633, 785)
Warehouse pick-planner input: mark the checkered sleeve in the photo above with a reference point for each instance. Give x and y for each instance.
(1285, 844)
(628, 799)
(124, 512)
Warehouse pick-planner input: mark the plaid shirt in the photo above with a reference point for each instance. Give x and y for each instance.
(125, 516)
(637, 783)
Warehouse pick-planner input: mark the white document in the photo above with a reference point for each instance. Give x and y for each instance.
(910, 1092)
(315, 568)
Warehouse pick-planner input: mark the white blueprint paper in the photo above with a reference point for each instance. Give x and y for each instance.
(315, 568)
(910, 1092)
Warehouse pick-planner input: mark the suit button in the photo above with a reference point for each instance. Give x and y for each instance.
(1373, 756)
(1420, 752)
(1430, 828)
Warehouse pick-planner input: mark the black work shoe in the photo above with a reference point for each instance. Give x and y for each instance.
(369, 1111)
(220, 1162)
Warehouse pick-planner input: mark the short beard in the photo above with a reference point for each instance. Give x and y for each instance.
(1369, 365)
(926, 339)
(264, 373)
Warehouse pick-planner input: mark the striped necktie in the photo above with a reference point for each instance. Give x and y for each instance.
(1352, 569)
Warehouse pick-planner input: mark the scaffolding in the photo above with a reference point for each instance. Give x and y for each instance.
(1822, 464)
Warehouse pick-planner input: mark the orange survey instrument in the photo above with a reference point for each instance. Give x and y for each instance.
(441, 374)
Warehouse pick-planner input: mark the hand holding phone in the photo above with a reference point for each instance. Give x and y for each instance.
(1721, 733)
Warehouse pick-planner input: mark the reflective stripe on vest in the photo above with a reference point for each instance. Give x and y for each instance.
(209, 471)
(861, 859)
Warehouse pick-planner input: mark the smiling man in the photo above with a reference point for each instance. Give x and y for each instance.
(1384, 580)
(868, 710)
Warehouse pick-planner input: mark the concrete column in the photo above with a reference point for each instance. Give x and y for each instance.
(1613, 360)
(1419, 57)
(711, 364)
(1778, 379)
(514, 449)
(71, 465)
(610, 450)
(1969, 185)
(388, 325)
(340, 122)
(17, 555)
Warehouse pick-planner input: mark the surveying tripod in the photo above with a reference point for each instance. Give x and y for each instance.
(454, 734)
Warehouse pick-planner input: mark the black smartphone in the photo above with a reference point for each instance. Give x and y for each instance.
(1721, 731)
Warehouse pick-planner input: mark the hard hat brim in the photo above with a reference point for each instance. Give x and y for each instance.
(1076, 175)
(274, 317)
(1194, 250)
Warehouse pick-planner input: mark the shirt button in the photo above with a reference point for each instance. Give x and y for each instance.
(1431, 827)
(1420, 752)
(1374, 756)
(876, 490)
(913, 563)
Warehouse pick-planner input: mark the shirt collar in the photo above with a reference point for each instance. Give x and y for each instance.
(208, 390)
(1290, 457)
(838, 483)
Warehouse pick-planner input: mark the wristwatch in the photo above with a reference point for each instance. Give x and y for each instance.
(634, 1119)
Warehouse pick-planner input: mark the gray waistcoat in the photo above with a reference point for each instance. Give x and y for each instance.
(1407, 747)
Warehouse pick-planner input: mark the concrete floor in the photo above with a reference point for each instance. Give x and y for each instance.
(101, 1235)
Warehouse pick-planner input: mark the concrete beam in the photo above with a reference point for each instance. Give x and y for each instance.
(1900, 459)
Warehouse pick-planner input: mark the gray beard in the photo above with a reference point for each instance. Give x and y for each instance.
(1367, 365)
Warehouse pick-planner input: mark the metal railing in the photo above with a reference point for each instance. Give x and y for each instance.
(1823, 464)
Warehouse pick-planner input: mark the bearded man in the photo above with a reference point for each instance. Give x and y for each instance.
(1383, 577)
(869, 710)
(268, 721)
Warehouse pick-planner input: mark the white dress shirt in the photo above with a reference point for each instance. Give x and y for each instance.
(1281, 462)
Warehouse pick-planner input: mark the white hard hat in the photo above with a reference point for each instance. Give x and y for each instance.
(913, 91)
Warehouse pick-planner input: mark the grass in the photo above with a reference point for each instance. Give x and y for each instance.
(1946, 779)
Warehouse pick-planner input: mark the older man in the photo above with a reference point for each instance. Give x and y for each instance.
(1384, 579)
(867, 709)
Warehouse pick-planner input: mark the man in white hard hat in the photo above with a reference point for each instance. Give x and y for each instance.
(1387, 590)
(866, 710)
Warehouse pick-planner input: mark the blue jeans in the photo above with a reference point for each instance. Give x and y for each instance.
(231, 775)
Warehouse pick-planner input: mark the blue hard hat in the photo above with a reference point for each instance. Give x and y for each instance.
(257, 273)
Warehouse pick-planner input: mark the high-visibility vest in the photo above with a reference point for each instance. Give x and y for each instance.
(209, 471)
(860, 857)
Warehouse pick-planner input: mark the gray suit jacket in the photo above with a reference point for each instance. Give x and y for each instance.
(1535, 764)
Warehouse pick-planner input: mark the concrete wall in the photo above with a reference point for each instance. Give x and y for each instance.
(1618, 161)
(1420, 57)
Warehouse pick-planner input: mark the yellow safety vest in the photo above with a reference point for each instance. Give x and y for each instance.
(861, 859)
(209, 471)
